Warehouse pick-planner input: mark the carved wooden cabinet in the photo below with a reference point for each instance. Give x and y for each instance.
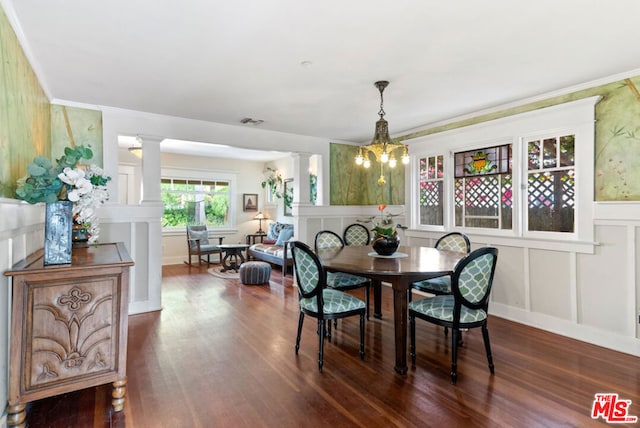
(68, 326)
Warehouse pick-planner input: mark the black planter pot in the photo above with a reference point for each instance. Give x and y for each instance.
(385, 245)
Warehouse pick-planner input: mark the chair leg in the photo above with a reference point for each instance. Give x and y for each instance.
(321, 344)
(410, 294)
(329, 329)
(366, 298)
(412, 339)
(454, 355)
(487, 347)
(362, 336)
(300, 320)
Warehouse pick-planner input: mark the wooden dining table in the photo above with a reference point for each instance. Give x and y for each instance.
(407, 265)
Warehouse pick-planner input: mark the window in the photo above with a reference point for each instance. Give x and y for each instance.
(527, 176)
(551, 184)
(431, 190)
(192, 201)
(483, 195)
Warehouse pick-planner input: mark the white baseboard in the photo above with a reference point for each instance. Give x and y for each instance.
(142, 307)
(606, 339)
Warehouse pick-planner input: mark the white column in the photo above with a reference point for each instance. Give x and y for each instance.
(152, 201)
(301, 193)
(301, 188)
(150, 169)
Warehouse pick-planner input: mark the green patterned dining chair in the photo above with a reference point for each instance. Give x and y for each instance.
(453, 241)
(341, 280)
(466, 308)
(318, 301)
(356, 234)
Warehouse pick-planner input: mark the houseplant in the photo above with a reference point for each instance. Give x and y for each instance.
(68, 190)
(275, 184)
(385, 235)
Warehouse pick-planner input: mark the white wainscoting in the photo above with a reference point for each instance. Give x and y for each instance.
(591, 295)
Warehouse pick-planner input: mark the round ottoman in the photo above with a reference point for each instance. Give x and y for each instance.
(254, 273)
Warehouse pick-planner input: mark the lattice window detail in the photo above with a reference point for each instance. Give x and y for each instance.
(507, 192)
(542, 190)
(482, 192)
(429, 194)
(431, 185)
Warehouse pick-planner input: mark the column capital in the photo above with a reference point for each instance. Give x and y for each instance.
(142, 138)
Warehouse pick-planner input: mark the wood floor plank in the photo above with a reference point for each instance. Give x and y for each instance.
(221, 354)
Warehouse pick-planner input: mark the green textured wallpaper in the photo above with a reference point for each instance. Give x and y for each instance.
(617, 154)
(355, 185)
(25, 126)
(73, 125)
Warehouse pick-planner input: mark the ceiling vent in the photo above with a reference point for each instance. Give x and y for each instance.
(251, 121)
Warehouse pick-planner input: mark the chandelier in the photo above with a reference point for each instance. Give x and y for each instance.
(381, 146)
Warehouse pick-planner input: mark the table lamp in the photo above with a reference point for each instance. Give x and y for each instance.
(260, 217)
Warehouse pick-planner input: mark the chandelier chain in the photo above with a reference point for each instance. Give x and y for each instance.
(381, 113)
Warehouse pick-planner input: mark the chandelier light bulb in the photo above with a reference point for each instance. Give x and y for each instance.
(359, 159)
(405, 159)
(392, 162)
(367, 163)
(384, 157)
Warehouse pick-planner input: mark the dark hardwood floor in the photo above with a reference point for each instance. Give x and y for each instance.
(221, 354)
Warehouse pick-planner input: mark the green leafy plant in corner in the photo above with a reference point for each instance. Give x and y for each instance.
(274, 182)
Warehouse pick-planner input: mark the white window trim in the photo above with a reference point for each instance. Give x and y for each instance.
(445, 192)
(576, 117)
(205, 175)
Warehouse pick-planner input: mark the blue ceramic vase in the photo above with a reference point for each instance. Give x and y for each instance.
(57, 233)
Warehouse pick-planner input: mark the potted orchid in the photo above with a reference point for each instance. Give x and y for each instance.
(88, 192)
(385, 235)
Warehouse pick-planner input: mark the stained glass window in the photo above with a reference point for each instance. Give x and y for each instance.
(483, 188)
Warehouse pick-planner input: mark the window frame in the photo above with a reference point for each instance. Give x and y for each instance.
(444, 189)
(524, 177)
(572, 118)
(204, 175)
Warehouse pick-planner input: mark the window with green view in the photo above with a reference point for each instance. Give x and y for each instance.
(191, 201)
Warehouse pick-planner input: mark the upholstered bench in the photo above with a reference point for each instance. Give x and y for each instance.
(254, 273)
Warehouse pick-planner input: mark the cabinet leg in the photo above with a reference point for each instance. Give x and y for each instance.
(16, 415)
(118, 394)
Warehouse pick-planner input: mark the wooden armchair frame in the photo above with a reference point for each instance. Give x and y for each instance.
(197, 248)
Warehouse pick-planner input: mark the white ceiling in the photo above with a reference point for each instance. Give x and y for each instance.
(224, 61)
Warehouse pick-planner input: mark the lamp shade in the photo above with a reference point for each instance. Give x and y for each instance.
(260, 217)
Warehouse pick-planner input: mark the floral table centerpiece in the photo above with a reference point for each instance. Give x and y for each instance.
(385, 235)
(70, 192)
